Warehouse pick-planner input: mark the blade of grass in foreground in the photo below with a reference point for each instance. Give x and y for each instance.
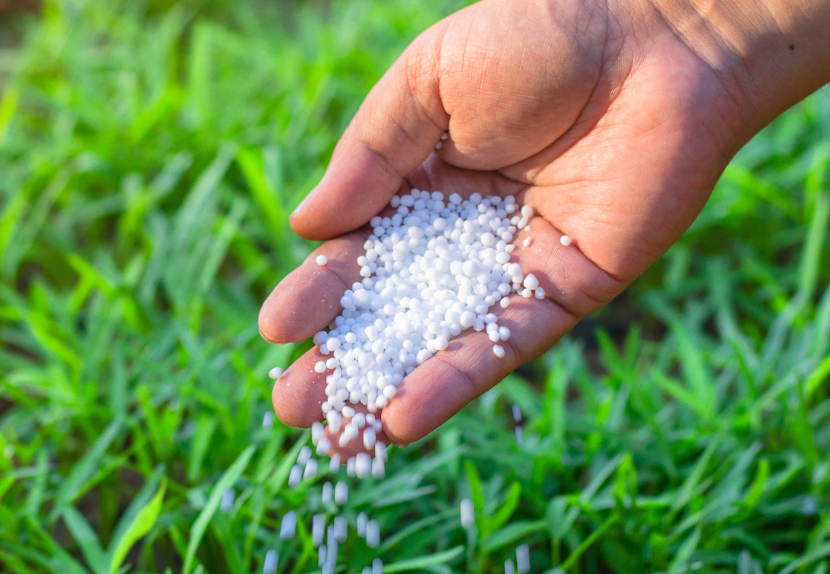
(228, 479)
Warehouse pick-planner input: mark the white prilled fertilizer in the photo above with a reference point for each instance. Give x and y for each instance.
(430, 271)
(228, 496)
(318, 529)
(341, 493)
(467, 516)
(272, 560)
(435, 268)
(296, 476)
(523, 559)
(289, 525)
(373, 534)
(565, 240)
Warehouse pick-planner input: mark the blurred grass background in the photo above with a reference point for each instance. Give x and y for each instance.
(150, 153)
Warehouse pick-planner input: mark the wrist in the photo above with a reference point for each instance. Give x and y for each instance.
(768, 54)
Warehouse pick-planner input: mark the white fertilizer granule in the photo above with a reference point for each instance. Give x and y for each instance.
(433, 269)
(429, 272)
(467, 516)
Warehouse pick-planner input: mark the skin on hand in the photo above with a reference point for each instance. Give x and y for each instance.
(613, 120)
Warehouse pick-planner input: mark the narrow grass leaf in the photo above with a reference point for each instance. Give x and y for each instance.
(226, 481)
(423, 562)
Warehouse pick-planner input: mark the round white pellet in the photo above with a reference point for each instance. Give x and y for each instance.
(272, 560)
(363, 465)
(467, 516)
(304, 455)
(334, 463)
(321, 260)
(565, 240)
(540, 293)
(310, 469)
(323, 447)
(320, 367)
(341, 493)
(498, 351)
(362, 519)
(295, 476)
(523, 559)
(531, 282)
(275, 373)
(288, 527)
(373, 534)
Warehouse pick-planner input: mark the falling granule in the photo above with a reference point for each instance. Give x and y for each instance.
(350, 467)
(381, 451)
(378, 468)
(363, 465)
(523, 559)
(321, 556)
(341, 528)
(520, 437)
(310, 469)
(362, 519)
(341, 493)
(565, 240)
(304, 455)
(326, 495)
(377, 566)
(318, 529)
(467, 516)
(334, 463)
(323, 447)
(373, 534)
(331, 541)
(445, 136)
(317, 432)
(321, 260)
(508, 567)
(227, 500)
(268, 420)
(289, 525)
(517, 414)
(275, 373)
(295, 476)
(272, 560)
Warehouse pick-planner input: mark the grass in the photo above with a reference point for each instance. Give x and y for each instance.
(150, 155)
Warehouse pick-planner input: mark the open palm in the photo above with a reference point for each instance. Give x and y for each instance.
(603, 120)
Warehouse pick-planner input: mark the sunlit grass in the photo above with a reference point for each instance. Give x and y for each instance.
(149, 158)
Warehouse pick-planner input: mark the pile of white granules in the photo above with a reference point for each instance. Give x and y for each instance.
(431, 270)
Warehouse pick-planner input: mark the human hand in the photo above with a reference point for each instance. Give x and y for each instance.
(613, 120)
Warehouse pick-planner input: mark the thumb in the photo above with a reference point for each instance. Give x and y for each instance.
(393, 132)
